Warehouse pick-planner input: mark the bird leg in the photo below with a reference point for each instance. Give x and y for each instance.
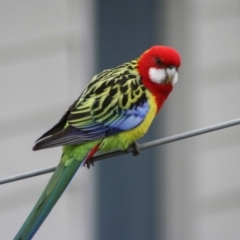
(135, 149)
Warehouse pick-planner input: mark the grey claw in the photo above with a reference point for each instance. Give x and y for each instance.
(89, 163)
(135, 150)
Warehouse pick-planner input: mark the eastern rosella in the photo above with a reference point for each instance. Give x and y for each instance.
(116, 108)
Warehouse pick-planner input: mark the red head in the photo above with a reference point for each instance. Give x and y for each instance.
(158, 68)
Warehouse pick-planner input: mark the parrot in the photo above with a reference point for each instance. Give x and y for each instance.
(112, 113)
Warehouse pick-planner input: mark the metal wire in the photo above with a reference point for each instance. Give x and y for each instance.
(141, 147)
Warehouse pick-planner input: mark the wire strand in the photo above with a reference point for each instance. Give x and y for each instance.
(130, 149)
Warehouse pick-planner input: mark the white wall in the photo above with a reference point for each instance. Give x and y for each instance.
(203, 173)
(46, 58)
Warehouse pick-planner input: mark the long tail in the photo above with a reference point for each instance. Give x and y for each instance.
(56, 186)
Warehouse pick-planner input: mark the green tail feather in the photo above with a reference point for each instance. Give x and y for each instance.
(57, 184)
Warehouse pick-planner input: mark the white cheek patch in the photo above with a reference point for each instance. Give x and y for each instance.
(157, 75)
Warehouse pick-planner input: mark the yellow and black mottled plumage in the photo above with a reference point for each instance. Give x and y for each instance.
(104, 108)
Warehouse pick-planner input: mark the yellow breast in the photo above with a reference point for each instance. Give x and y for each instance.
(124, 139)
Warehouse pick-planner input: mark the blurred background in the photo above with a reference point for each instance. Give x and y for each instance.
(187, 190)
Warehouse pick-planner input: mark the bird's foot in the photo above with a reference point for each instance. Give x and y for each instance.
(89, 163)
(135, 149)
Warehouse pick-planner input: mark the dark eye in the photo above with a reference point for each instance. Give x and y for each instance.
(158, 61)
(170, 66)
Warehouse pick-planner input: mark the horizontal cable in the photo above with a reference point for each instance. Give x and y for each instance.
(130, 149)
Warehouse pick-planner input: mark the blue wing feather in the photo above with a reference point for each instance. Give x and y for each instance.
(133, 117)
(128, 119)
